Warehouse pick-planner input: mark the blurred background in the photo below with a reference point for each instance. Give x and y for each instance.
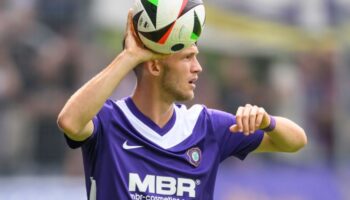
(290, 56)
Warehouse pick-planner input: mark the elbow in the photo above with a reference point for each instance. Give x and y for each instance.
(300, 143)
(302, 140)
(66, 125)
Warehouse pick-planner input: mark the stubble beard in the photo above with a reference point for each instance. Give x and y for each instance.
(170, 86)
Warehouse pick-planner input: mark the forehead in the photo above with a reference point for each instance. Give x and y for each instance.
(190, 50)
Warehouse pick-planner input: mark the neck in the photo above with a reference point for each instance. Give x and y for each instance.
(153, 106)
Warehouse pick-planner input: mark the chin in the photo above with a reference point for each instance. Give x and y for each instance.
(190, 96)
(185, 97)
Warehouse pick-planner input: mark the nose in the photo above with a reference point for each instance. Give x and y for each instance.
(196, 66)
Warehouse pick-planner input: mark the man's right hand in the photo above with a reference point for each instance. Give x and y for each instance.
(134, 46)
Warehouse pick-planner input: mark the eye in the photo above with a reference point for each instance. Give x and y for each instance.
(189, 56)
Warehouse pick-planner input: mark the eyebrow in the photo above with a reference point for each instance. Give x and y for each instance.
(190, 54)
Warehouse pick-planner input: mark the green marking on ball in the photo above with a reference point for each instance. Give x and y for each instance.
(194, 36)
(154, 2)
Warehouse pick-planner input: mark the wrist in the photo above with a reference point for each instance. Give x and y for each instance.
(271, 126)
(129, 59)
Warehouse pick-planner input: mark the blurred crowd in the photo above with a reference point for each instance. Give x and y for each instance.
(48, 49)
(41, 62)
(299, 86)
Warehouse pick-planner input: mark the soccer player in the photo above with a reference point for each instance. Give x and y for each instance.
(146, 146)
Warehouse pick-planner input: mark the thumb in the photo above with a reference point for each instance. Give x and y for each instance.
(234, 128)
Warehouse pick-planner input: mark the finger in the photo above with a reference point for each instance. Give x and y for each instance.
(129, 23)
(265, 121)
(260, 116)
(245, 119)
(127, 26)
(127, 32)
(234, 128)
(239, 114)
(131, 36)
(252, 118)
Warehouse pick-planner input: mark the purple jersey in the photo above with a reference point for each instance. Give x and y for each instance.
(129, 157)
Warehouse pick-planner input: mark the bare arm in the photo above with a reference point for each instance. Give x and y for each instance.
(75, 119)
(286, 137)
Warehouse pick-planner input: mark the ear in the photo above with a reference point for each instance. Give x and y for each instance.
(153, 67)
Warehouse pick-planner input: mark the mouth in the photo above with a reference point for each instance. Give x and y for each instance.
(192, 82)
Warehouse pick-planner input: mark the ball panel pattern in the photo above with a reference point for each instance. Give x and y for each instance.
(167, 26)
(151, 10)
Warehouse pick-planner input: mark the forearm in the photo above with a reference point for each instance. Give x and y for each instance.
(88, 100)
(286, 137)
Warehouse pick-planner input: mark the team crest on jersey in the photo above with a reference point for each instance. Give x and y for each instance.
(194, 156)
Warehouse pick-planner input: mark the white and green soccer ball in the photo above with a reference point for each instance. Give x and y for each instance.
(168, 26)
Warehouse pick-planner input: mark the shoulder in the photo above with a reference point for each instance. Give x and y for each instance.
(111, 104)
(221, 118)
(109, 111)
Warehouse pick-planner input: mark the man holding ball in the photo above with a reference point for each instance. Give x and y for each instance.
(146, 146)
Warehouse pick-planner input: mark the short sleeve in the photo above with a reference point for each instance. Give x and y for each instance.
(232, 144)
(100, 122)
(248, 144)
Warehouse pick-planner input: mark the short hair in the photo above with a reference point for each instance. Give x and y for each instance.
(138, 70)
